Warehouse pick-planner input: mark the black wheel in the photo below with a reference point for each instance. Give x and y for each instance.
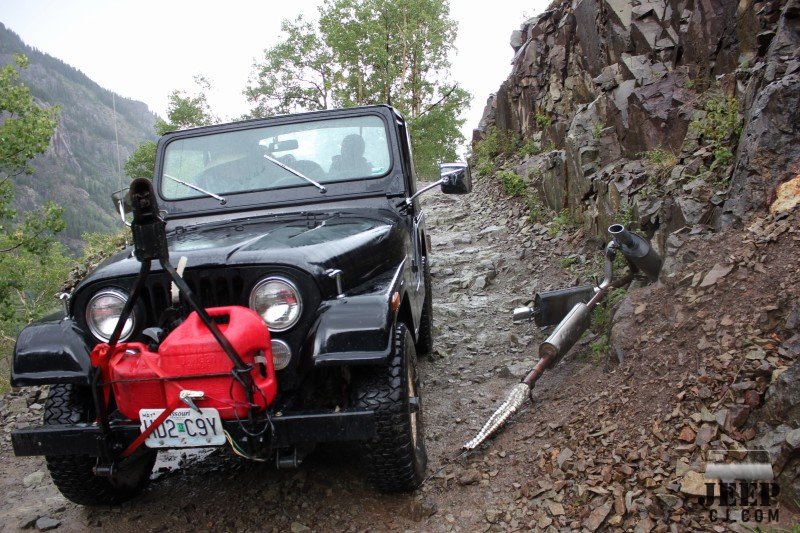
(425, 337)
(74, 474)
(396, 457)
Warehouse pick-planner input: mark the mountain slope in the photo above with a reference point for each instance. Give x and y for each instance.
(79, 170)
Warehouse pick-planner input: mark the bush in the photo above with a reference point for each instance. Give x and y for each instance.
(562, 221)
(721, 128)
(660, 158)
(529, 147)
(660, 162)
(601, 321)
(513, 184)
(626, 215)
(567, 262)
(494, 144)
(536, 209)
(542, 120)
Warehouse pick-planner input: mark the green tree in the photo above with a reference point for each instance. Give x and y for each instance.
(370, 52)
(25, 132)
(32, 264)
(297, 73)
(142, 162)
(183, 111)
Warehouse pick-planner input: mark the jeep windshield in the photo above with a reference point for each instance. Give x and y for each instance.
(246, 160)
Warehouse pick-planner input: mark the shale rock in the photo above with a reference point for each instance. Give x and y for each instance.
(600, 83)
(783, 398)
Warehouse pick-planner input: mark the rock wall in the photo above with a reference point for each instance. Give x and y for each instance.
(680, 117)
(629, 100)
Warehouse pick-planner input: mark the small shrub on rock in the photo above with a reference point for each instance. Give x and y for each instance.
(513, 184)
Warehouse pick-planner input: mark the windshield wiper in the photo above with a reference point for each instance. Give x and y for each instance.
(222, 200)
(321, 188)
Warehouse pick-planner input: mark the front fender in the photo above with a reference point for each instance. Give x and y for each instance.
(53, 350)
(357, 329)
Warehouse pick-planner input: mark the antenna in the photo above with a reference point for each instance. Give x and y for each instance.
(116, 137)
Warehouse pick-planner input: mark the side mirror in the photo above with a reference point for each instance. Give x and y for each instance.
(122, 202)
(456, 178)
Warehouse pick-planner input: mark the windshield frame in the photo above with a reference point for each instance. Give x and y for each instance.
(294, 194)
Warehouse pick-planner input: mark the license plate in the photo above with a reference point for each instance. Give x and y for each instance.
(183, 428)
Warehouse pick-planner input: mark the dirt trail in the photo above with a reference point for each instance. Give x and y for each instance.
(583, 453)
(477, 265)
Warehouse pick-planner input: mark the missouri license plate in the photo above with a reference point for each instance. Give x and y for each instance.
(183, 428)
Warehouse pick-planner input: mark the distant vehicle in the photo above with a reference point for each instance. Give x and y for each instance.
(304, 241)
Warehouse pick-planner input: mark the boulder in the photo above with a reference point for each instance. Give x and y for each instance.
(658, 116)
(782, 401)
(517, 39)
(769, 153)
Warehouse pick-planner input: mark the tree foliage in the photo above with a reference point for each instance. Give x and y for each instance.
(364, 52)
(142, 162)
(297, 74)
(30, 259)
(25, 132)
(183, 111)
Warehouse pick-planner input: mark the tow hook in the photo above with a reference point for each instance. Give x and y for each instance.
(104, 469)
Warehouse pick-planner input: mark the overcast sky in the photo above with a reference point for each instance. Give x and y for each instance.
(144, 49)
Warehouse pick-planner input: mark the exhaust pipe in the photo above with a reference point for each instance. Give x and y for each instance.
(636, 250)
(641, 257)
(566, 333)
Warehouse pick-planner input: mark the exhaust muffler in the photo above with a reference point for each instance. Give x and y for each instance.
(636, 250)
(566, 333)
(550, 307)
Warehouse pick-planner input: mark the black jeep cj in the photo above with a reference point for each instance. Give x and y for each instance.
(290, 296)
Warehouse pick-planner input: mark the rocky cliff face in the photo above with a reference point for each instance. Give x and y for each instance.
(680, 118)
(683, 112)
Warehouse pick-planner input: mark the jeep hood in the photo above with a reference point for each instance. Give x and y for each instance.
(361, 245)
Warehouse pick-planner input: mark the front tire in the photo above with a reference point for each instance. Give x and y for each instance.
(74, 475)
(396, 457)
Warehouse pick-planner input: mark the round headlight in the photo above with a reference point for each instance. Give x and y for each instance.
(103, 312)
(278, 302)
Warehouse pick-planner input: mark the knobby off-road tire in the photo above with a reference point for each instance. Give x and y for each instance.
(425, 338)
(396, 457)
(74, 474)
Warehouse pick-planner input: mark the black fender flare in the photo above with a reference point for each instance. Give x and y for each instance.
(51, 350)
(358, 329)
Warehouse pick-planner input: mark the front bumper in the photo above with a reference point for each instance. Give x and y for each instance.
(290, 430)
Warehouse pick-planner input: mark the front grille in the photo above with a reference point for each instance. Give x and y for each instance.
(210, 288)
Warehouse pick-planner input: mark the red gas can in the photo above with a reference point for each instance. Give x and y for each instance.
(190, 358)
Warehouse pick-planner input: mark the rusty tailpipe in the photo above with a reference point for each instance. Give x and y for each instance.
(641, 257)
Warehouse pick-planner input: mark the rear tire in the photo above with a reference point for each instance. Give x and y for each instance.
(74, 475)
(396, 457)
(425, 338)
